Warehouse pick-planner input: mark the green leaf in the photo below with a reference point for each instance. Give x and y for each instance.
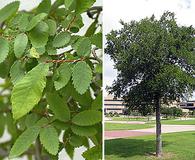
(73, 22)
(83, 5)
(98, 68)
(35, 20)
(11, 126)
(83, 47)
(20, 44)
(94, 153)
(61, 39)
(91, 30)
(31, 86)
(69, 150)
(64, 74)
(7, 11)
(82, 76)
(16, 72)
(61, 125)
(52, 27)
(87, 118)
(49, 139)
(83, 131)
(70, 4)
(34, 53)
(97, 103)
(22, 21)
(84, 100)
(44, 6)
(96, 39)
(24, 141)
(4, 49)
(42, 122)
(58, 106)
(2, 124)
(39, 35)
(31, 119)
(76, 141)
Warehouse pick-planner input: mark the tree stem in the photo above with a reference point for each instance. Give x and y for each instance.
(158, 129)
(37, 150)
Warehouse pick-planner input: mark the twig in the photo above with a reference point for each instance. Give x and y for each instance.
(37, 150)
(71, 22)
(96, 57)
(93, 10)
(63, 61)
(3, 153)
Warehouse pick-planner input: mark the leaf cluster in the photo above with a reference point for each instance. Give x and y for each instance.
(50, 97)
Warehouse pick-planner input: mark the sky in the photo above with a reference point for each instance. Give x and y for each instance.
(127, 10)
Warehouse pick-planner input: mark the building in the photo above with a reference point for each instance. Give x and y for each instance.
(190, 105)
(112, 105)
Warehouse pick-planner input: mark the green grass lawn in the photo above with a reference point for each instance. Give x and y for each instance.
(175, 122)
(118, 126)
(169, 121)
(176, 146)
(128, 119)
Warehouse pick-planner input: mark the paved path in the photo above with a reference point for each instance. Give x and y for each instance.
(147, 131)
(127, 122)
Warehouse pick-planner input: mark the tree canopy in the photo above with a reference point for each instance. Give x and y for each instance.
(153, 58)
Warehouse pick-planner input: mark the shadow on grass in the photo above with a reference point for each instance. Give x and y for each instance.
(131, 147)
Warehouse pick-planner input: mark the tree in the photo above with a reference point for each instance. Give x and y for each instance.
(155, 63)
(171, 111)
(50, 91)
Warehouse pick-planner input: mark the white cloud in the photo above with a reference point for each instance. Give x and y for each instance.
(128, 10)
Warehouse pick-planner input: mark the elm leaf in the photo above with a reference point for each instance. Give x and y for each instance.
(49, 139)
(7, 11)
(35, 20)
(58, 106)
(64, 74)
(31, 86)
(83, 5)
(16, 72)
(83, 131)
(61, 39)
(82, 77)
(20, 44)
(39, 35)
(24, 141)
(4, 49)
(87, 118)
(44, 6)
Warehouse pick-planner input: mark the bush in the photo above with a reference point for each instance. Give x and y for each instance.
(116, 114)
(171, 112)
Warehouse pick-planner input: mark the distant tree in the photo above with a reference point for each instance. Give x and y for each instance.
(177, 112)
(171, 111)
(155, 63)
(166, 111)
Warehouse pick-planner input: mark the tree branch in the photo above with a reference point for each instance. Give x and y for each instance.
(3, 153)
(63, 61)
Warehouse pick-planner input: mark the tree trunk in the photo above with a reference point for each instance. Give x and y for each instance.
(158, 129)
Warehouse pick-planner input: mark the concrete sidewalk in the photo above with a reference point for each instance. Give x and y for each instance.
(126, 122)
(147, 131)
